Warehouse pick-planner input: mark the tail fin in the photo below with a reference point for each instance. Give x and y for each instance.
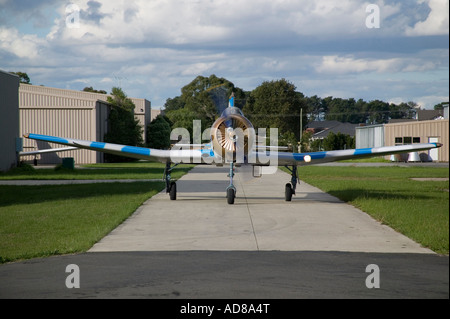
(231, 101)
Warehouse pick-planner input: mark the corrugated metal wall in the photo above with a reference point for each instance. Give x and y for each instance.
(369, 136)
(424, 130)
(68, 113)
(74, 123)
(57, 115)
(9, 119)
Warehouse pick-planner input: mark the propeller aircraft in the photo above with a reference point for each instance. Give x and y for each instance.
(233, 142)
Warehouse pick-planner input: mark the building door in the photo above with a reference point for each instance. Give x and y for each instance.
(433, 153)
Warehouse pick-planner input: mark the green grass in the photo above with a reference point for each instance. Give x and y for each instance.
(368, 160)
(418, 209)
(133, 170)
(38, 221)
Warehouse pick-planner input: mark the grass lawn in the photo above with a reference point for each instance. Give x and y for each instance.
(37, 221)
(132, 170)
(418, 209)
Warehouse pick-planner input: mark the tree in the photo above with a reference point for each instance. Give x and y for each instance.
(338, 141)
(120, 99)
(202, 99)
(123, 127)
(378, 112)
(182, 118)
(174, 104)
(158, 133)
(346, 110)
(440, 106)
(314, 107)
(401, 111)
(277, 104)
(91, 89)
(23, 77)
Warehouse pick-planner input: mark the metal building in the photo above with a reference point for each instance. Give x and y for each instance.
(68, 113)
(369, 136)
(435, 131)
(9, 120)
(412, 132)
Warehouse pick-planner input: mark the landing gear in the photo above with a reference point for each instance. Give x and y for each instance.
(288, 192)
(231, 194)
(231, 190)
(290, 187)
(171, 187)
(173, 191)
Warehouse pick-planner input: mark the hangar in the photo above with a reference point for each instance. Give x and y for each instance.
(433, 131)
(409, 132)
(9, 120)
(68, 113)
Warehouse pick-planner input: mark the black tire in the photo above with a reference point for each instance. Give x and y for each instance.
(288, 192)
(173, 191)
(230, 196)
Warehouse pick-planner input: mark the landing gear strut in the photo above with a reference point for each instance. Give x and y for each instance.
(290, 187)
(171, 187)
(231, 190)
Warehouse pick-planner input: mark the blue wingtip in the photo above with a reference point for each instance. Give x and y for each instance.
(47, 138)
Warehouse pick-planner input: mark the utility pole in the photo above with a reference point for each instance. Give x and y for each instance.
(301, 131)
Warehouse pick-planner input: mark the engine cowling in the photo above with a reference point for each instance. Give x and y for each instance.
(232, 135)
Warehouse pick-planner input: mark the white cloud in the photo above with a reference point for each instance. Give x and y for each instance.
(25, 46)
(428, 101)
(220, 22)
(343, 65)
(153, 48)
(437, 22)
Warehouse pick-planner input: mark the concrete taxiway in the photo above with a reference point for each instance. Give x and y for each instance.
(260, 219)
(199, 247)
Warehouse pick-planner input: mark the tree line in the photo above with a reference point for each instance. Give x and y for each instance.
(274, 104)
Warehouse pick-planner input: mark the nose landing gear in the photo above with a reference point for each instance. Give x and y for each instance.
(231, 190)
(171, 186)
(291, 187)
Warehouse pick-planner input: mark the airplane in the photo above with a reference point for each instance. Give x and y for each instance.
(233, 142)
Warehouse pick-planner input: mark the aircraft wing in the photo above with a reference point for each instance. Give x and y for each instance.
(183, 155)
(332, 156)
(175, 156)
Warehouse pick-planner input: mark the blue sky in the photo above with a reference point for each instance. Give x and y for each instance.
(153, 48)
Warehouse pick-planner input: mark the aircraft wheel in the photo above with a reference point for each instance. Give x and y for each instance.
(288, 192)
(173, 191)
(230, 196)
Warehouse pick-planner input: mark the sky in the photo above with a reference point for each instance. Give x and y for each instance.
(395, 51)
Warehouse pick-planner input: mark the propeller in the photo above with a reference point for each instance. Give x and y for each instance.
(231, 134)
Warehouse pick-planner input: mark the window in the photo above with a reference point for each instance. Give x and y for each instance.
(406, 140)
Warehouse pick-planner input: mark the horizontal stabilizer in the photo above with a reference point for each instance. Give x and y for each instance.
(50, 150)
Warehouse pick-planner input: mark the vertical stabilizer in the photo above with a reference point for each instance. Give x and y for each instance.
(231, 101)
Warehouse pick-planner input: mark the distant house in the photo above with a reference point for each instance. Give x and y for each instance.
(429, 115)
(321, 129)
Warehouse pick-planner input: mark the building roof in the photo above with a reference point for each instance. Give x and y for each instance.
(322, 125)
(401, 120)
(323, 128)
(426, 115)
